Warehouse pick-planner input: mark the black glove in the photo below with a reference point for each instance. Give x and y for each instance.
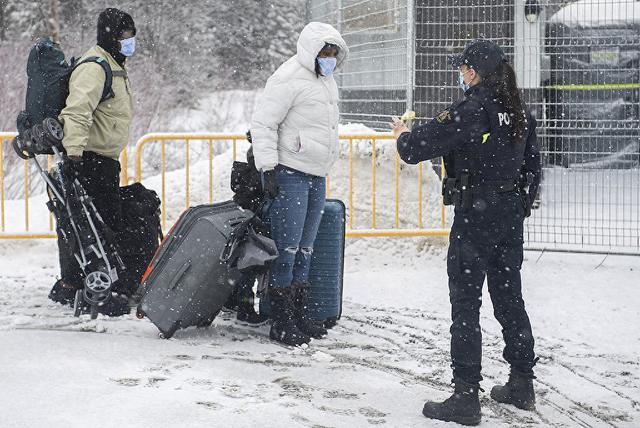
(270, 184)
(71, 166)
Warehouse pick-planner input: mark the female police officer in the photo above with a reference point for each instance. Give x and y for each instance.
(488, 143)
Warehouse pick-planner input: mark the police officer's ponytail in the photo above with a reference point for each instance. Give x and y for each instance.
(504, 81)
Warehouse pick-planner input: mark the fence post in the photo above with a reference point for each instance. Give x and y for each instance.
(410, 52)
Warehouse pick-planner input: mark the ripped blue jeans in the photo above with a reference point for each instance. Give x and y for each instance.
(294, 218)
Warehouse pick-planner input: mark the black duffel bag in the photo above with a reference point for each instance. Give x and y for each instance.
(139, 234)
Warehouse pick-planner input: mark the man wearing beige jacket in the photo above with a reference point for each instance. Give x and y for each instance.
(96, 131)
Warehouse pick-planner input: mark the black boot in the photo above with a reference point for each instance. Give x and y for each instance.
(246, 312)
(462, 407)
(231, 305)
(61, 294)
(283, 328)
(517, 391)
(300, 300)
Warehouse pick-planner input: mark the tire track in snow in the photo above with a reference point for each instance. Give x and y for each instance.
(507, 415)
(384, 324)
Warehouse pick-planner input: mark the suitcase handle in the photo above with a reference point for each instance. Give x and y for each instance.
(179, 274)
(237, 221)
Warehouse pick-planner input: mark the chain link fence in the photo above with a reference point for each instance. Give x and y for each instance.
(373, 82)
(578, 64)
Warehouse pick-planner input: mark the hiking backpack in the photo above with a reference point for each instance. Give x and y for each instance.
(48, 84)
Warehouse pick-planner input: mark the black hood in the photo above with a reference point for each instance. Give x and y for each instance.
(111, 24)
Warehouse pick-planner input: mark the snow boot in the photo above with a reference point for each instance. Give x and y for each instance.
(251, 317)
(247, 314)
(517, 391)
(231, 305)
(61, 294)
(284, 328)
(462, 407)
(303, 321)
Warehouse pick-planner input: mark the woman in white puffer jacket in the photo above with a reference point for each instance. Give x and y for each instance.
(295, 142)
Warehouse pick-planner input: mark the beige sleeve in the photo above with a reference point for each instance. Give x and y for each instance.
(85, 91)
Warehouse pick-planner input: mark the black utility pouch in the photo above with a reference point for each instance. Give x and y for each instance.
(449, 191)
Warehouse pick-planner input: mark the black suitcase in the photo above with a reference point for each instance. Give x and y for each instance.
(186, 284)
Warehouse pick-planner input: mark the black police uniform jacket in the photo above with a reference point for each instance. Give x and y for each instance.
(475, 135)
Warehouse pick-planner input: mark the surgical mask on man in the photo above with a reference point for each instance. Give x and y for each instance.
(327, 65)
(128, 46)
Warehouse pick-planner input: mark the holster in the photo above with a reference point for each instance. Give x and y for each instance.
(449, 191)
(457, 191)
(524, 184)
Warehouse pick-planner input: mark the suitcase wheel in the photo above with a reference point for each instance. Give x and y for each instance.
(140, 313)
(169, 333)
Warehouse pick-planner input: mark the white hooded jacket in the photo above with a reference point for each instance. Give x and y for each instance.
(296, 120)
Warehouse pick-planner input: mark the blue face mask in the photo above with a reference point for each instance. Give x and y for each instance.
(327, 65)
(128, 46)
(461, 83)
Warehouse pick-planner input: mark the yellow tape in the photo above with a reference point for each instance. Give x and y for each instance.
(600, 87)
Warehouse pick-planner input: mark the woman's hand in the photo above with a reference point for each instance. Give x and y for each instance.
(398, 127)
(270, 184)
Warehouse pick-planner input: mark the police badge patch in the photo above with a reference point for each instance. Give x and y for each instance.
(443, 117)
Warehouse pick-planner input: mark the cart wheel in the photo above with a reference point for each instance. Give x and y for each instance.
(52, 130)
(38, 139)
(20, 150)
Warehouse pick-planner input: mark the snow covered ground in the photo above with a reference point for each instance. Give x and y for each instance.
(387, 355)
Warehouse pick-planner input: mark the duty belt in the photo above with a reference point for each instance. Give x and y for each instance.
(458, 191)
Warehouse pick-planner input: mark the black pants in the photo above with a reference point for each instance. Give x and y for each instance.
(100, 177)
(486, 241)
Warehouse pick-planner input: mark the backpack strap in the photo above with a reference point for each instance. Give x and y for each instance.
(107, 92)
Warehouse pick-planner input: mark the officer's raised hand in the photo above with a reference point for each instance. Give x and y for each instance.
(398, 127)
